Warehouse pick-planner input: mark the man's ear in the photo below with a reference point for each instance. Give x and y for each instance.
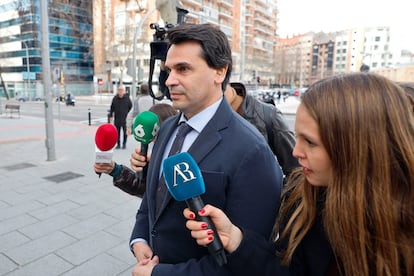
(221, 74)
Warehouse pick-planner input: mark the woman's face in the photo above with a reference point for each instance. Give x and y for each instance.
(310, 151)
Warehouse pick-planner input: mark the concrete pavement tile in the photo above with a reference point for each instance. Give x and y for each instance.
(13, 197)
(90, 209)
(6, 265)
(12, 240)
(88, 227)
(86, 249)
(125, 209)
(47, 226)
(122, 229)
(31, 186)
(39, 248)
(126, 272)
(69, 190)
(3, 204)
(15, 223)
(102, 265)
(58, 196)
(123, 255)
(54, 209)
(11, 211)
(51, 265)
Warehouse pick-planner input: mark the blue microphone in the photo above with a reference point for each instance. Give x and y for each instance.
(185, 183)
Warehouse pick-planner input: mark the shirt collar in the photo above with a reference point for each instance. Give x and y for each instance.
(200, 120)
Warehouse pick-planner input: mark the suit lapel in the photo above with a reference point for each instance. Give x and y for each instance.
(158, 155)
(207, 140)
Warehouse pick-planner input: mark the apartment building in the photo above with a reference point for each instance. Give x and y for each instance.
(71, 51)
(250, 26)
(304, 59)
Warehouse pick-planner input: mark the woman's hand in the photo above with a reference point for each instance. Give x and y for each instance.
(230, 235)
(137, 160)
(104, 167)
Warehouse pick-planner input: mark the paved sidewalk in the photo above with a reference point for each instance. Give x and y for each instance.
(57, 217)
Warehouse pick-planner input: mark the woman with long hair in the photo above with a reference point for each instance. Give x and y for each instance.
(349, 208)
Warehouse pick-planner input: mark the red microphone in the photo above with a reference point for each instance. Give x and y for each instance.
(106, 138)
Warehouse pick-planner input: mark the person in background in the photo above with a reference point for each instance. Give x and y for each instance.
(143, 102)
(123, 177)
(240, 172)
(269, 120)
(349, 209)
(120, 106)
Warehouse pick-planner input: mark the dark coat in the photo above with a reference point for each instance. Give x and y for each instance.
(120, 107)
(257, 256)
(242, 177)
(282, 141)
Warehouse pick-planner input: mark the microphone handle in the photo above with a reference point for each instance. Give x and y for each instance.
(215, 247)
(144, 151)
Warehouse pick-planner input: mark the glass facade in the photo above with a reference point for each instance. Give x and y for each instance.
(70, 42)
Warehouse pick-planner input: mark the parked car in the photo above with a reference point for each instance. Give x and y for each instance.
(27, 98)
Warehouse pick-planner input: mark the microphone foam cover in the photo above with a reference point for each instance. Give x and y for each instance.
(183, 176)
(106, 137)
(145, 127)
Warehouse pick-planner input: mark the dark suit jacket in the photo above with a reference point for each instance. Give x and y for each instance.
(257, 256)
(242, 177)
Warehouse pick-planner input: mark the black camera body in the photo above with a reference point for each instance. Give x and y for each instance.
(159, 48)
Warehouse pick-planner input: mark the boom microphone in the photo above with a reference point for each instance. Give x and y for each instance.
(106, 137)
(185, 183)
(144, 128)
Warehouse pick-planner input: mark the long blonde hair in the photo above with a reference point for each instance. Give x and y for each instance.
(366, 124)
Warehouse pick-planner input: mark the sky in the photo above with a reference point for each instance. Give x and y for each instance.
(301, 16)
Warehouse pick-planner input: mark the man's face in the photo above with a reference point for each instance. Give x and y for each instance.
(121, 92)
(193, 85)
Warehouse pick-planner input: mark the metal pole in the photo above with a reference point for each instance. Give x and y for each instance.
(134, 53)
(27, 68)
(47, 82)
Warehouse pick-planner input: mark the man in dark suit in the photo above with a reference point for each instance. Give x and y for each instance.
(240, 171)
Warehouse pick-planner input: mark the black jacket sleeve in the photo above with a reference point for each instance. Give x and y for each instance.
(130, 182)
(255, 256)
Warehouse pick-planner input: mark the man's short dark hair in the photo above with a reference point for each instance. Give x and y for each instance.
(239, 88)
(216, 50)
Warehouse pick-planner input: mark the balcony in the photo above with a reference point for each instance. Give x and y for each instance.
(226, 3)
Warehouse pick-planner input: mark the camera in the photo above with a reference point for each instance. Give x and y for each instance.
(159, 47)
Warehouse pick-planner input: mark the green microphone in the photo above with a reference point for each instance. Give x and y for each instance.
(144, 128)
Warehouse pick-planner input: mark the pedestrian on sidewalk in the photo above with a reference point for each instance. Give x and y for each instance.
(120, 106)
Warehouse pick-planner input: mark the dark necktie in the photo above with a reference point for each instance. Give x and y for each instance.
(183, 130)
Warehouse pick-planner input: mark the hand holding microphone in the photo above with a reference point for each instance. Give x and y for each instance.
(144, 129)
(185, 183)
(106, 137)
